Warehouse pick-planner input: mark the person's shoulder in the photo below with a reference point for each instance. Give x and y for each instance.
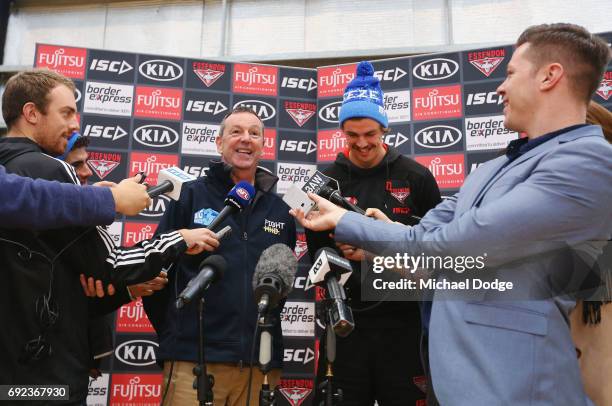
(38, 165)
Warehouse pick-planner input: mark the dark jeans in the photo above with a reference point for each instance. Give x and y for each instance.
(377, 364)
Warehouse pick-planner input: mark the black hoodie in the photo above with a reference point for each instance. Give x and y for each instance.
(401, 188)
(30, 281)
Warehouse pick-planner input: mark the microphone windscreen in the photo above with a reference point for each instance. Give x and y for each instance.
(216, 262)
(241, 195)
(277, 259)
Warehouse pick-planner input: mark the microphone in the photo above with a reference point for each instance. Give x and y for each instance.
(336, 198)
(328, 267)
(237, 199)
(169, 182)
(273, 277)
(211, 270)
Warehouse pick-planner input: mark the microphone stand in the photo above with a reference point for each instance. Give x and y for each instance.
(266, 394)
(331, 395)
(203, 382)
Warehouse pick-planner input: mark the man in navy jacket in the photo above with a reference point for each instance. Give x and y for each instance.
(230, 311)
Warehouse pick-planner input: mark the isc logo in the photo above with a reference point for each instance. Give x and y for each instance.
(106, 132)
(200, 106)
(104, 65)
(475, 99)
(298, 146)
(295, 83)
(302, 355)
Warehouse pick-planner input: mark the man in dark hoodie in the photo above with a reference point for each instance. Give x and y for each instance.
(41, 295)
(380, 359)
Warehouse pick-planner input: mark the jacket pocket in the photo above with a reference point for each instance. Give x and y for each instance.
(509, 318)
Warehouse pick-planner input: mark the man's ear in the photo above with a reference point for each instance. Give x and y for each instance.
(218, 142)
(551, 75)
(30, 113)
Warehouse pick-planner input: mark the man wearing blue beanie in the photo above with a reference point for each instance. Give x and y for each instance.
(380, 359)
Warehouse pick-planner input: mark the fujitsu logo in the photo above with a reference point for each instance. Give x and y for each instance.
(253, 77)
(133, 237)
(155, 99)
(335, 143)
(337, 78)
(150, 165)
(437, 168)
(434, 99)
(58, 58)
(487, 61)
(134, 389)
(133, 312)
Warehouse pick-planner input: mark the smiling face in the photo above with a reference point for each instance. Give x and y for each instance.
(520, 91)
(364, 137)
(241, 143)
(78, 158)
(54, 128)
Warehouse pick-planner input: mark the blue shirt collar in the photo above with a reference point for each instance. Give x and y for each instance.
(518, 147)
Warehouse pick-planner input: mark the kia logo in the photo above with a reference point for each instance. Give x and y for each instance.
(156, 208)
(160, 70)
(138, 353)
(78, 94)
(438, 136)
(435, 69)
(265, 111)
(331, 112)
(155, 135)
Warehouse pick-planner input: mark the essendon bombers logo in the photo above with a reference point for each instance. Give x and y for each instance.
(487, 61)
(333, 79)
(103, 163)
(300, 112)
(301, 248)
(69, 62)
(605, 88)
(296, 390)
(255, 79)
(399, 193)
(208, 73)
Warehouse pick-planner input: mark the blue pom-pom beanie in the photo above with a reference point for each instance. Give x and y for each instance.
(363, 97)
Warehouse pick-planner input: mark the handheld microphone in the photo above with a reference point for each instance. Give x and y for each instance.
(336, 198)
(237, 199)
(211, 270)
(274, 276)
(169, 183)
(328, 267)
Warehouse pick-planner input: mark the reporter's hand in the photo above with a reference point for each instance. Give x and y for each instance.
(93, 288)
(350, 252)
(327, 218)
(105, 183)
(149, 287)
(130, 196)
(199, 240)
(377, 214)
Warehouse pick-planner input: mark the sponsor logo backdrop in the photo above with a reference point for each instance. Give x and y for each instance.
(148, 112)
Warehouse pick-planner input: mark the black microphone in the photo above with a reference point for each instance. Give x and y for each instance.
(211, 270)
(327, 268)
(336, 198)
(273, 277)
(237, 199)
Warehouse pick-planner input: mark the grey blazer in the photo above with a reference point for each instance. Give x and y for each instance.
(485, 351)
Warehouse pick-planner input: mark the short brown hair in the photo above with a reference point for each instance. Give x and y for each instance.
(584, 56)
(30, 86)
(239, 109)
(598, 114)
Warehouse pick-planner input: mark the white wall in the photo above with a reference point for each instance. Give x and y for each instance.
(290, 29)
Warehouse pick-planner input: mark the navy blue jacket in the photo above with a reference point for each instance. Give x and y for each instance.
(230, 309)
(40, 204)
